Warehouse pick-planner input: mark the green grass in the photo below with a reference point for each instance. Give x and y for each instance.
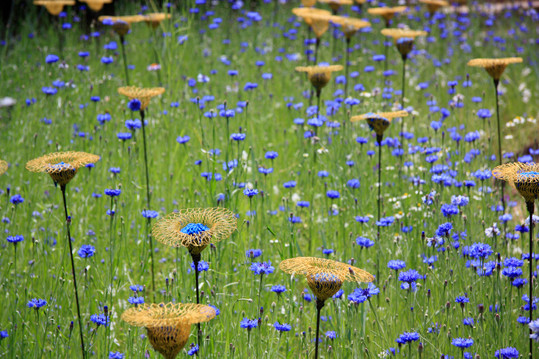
(43, 270)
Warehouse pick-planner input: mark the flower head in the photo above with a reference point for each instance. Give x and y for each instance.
(195, 228)
(36, 303)
(144, 95)
(522, 176)
(386, 12)
(54, 7)
(324, 276)
(494, 67)
(168, 324)
(379, 122)
(319, 76)
(61, 166)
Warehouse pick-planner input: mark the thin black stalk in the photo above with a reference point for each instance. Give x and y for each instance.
(147, 197)
(530, 206)
(403, 83)
(316, 46)
(68, 223)
(196, 260)
(379, 203)
(346, 66)
(319, 306)
(496, 82)
(125, 60)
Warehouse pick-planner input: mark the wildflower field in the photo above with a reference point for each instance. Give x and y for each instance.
(268, 179)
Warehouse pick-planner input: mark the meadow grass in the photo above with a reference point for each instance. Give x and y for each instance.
(414, 189)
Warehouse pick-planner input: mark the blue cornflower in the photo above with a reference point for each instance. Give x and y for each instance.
(16, 199)
(396, 265)
(406, 337)
(333, 194)
(136, 300)
(147, 213)
(460, 201)
(479, 250)
(86, 251)
(100, 319)
(113, 192)
(512, 272)
(134, 104)
(250, 192)
(116, 355)
(183, 139)
(282, 327)
(513, 262)
(289, 184)
(364, 242)
(462, 300)
(362, 219)
(385, 222)
(468, 321)
(331, 335)
(271, 155)
(238, 136)
(36, 303)
(3, 334)
(449, 210)
(409, 278)
(444, 229)
(136, 288)
(50, 59)
(253, 253)
(15, 239)
(194, 228)
(278, 289)
(462, 343)
(507, 353)
(203, 266)
(262, 268)
(193, 350)
(249, 323)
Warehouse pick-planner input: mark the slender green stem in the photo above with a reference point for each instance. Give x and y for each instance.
(68, 223)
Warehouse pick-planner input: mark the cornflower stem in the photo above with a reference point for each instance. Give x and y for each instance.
(319, 306)
(37, 329)
(15, 259)
(111, 267)
(347, 57)
(259, 292)
(68, 223)
(530, 206)
(148, 235)
(500, 160)
(196, 260)
(125, 59)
